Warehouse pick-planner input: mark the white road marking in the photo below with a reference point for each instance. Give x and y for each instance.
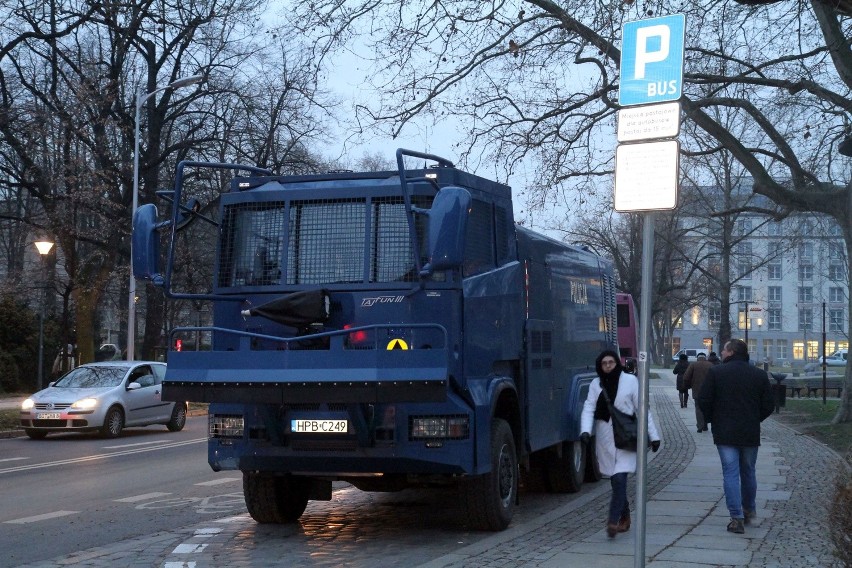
(101, 456)
(219, 481)
(206, 533)
(12, 459)
(188, 548)
(135, 444)
(144, 497)
(179, 565)
(44, 517)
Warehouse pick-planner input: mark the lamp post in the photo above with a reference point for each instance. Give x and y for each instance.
(43, 250)
(141, 97)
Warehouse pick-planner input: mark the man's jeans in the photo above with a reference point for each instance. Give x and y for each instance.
(740, 478)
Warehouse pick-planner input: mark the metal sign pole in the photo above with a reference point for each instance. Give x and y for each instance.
(644, 367)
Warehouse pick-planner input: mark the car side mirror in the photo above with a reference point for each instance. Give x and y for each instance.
(133, 386)
(146, 245)
(448, 218)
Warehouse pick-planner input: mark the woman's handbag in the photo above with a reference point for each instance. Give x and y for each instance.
(624, 426)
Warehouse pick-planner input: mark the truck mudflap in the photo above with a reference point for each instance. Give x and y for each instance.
(291, 375)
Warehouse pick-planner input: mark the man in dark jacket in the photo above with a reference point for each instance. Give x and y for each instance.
(694, 378)
(735, 398)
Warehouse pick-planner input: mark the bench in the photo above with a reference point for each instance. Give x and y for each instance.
(815, 385)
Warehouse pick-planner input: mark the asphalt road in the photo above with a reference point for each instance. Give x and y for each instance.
(70, 492)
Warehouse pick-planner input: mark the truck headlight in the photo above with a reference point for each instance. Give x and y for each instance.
(451, 427)
(225, 426)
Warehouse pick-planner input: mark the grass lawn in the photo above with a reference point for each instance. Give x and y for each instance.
(811, 417)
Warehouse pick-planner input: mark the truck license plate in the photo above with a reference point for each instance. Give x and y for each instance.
(48, 416)
(319, 426)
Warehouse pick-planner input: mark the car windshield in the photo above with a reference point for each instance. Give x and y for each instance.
(92, 377)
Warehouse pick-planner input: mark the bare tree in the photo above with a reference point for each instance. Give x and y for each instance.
(68, 86)
(782, 72)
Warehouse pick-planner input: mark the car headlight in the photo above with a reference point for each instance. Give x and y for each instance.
(27, 404)
(85, 404)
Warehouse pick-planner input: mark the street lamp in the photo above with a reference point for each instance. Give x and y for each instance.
(141, 97)
(43, 250)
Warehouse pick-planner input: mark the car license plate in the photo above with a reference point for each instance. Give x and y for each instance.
(48, 416)
(319, 426)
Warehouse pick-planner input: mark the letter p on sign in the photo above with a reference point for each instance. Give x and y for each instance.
(645, 53)
(652, 60)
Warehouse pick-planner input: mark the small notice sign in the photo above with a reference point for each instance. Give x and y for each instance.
(651, 121)
(646, 176)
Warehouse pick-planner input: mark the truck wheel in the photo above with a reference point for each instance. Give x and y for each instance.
(565, 474)
(275, 499)
(490, 499)
(593, 470)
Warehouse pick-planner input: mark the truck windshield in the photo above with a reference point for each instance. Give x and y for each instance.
(323, 241)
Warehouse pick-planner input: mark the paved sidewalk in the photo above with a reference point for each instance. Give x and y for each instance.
(687, 518)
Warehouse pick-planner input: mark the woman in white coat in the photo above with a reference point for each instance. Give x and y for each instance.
(623, 391)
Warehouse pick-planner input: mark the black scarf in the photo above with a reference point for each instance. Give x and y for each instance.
(609, 383)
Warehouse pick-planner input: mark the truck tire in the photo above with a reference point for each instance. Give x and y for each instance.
(565, 474)
(275, 499)
(593, 470)
(489, 499)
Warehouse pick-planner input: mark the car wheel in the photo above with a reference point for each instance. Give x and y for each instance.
(36, 434)
(113, 423)
(178, 419)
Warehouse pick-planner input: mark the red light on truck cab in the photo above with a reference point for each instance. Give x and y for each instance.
(359, 336)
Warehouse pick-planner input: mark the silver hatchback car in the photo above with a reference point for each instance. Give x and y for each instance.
(103, 397)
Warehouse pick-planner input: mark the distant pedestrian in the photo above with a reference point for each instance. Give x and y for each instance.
(713, 358)
(735, 398)
(694, 377)
(623, 391)
(682, 389)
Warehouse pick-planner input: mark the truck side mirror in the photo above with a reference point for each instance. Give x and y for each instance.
(146, 245)
(447, 229)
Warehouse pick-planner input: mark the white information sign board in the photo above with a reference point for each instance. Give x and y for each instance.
(651, 121)
(646, 176)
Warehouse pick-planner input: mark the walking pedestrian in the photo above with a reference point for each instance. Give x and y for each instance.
(694, 377)
(623, 391)
(735, 398)
(713, 358)
(679, 369)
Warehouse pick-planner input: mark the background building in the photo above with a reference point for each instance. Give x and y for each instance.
(786, 280)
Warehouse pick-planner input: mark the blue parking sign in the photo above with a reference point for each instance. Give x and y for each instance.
(652, 60)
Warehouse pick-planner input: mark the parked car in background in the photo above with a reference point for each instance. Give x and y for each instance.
(836, 359)
(102, 397)
(691, 354)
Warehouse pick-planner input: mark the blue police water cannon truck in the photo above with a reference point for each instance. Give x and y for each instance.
(388, 329)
